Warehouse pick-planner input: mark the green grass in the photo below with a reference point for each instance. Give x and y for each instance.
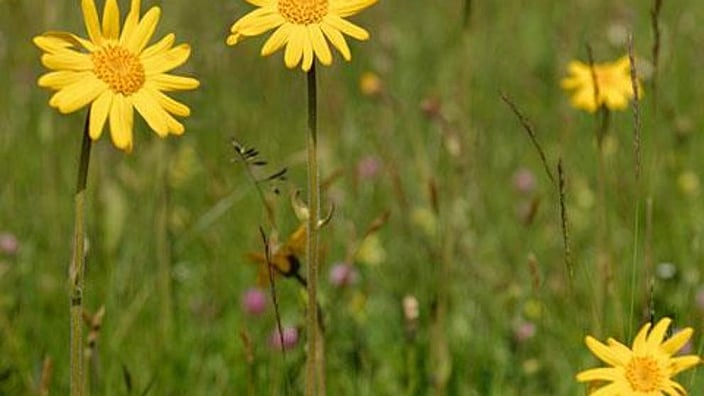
(464, 248)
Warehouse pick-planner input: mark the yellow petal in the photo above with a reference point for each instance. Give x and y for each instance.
(322, 51)
(261, 24)
(99, 113)
(639, 343)
(294, 48)
(67, 60)
(252, 18)
(234, 39)
(153, 114)
(307, 51)
(677, 341)
(169, 82)
(131, 21)
(90, 16)
(277, 39)
(657, 334)
(111, 20)
(55, 41)
(681, 363)
(612, 389)
(345, 9)
(62, 78)
(346, 27)
(77, 95)
(171, 105)
(175, 127)
(121, 119)
(162, 45)
(166, 60)
(144, 31)
(599, 374)
(606, 354)
(337, 39)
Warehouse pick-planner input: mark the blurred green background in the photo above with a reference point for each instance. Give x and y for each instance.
(473, 234)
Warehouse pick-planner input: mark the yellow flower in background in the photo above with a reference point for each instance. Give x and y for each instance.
(115, 72)
(644, 370)
(614, 85)
(304, 27)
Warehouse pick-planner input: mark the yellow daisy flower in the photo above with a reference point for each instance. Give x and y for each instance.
(303, 27)
(644, 370)
(613, 80)
(115, 72)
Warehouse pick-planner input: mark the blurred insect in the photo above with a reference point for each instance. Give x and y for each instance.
(285, 258)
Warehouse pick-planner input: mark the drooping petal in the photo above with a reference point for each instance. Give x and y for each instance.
(261, 24)
(322, 51)
(111, 20)
(121, 118)
(171, 105)
(277, 39)
(153, 114)
(294, 48)
(99, 111)
(260, 3)
(252, 18)
(62, 78)
(55, 41)
(337, 39)
(90, 16)
(599, 374)
(67, 60)
(612, 389)
(605, 353)
(307, 51)
(77, 95)
(175, 127)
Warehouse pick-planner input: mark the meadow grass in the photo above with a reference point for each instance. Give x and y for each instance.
(457, 238)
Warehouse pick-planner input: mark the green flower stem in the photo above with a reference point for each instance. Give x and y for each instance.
(77, 269)
(313, 357)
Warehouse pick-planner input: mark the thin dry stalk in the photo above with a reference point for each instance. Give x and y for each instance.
(528, 127)
(564, 222)
(637, 125)
(655, 25)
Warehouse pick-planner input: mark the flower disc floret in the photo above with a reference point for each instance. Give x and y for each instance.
(303, 12)
(119, 68)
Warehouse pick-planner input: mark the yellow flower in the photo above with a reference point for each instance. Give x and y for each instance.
(614, 85)
(644, 370)
(303, 27)
(115, 72)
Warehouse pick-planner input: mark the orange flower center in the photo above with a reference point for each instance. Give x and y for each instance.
(303, 12)
(644, 374)
(119, 68)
